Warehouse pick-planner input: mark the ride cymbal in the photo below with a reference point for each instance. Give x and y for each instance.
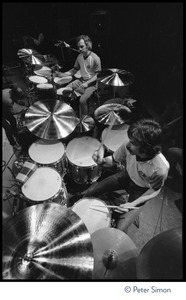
(115, 77)
(106, 113)
(51, 119)
(46, 241)
(161, 258)
(115, 255)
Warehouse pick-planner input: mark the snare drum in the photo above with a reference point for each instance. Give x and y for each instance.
(49, 153)
(37, 79)
(115, 137)
(45, 91)
(60, 82)
(93, 212)
(81, 167)
(45, 184)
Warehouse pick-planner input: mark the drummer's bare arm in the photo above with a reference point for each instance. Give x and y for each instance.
(68, 73)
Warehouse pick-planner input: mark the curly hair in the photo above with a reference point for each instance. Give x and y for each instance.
(86, 39)
(148, 134)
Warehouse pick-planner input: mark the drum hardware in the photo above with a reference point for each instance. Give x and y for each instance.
(115, 256)
(107, 112)
(81, 167)
(36, 245)
(94, 218)
(51, 120)
(161, 258)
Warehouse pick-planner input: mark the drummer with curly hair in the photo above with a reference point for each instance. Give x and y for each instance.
(144, 173)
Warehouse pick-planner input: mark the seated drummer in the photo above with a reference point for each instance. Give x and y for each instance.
(89, 64)
(144, 174)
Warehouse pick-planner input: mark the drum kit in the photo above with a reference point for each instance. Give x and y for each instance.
(47, 240)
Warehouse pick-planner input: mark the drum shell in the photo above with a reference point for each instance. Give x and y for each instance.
(81, 166)
(45, 92)
(84, 175)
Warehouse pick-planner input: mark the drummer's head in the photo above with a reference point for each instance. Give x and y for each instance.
(84, 40)
(145, 137)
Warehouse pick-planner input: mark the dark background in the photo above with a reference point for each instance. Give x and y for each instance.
(143, 38)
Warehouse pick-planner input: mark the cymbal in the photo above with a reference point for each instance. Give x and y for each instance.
(51, 119)
(85, 124)
(115, 255)
(107, 112)
(161, 257)
(42, 71)
(31, 55)
(46, 241)
(115, 77)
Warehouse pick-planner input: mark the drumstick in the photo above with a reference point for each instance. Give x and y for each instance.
(118, 207)
(108, 130)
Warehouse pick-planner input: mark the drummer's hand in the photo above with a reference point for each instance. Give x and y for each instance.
(97, 157)
(125, 206)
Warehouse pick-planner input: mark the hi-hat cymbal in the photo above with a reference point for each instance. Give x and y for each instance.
(31, 55)
(115, 255)
(51, 119)
(46, 241)
(161, 258)
(106, 113)
(115, 77)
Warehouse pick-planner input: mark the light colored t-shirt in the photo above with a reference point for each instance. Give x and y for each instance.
(88, 66)
(142, 172)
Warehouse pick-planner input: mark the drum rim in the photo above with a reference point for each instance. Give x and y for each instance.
(46, 83)
(51, 198)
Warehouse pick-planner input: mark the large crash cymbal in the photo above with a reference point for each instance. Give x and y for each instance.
(51, 119)
(46, 241)
(106, 113)
(115, 77)
(32, 56)
(161, 258)
(115, 255)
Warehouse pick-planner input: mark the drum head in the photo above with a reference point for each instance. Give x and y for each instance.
(46, 152)
(93, 213)
(42, 71)
(43, 184)
(62, 80)
(79, 151)
(45, 86)
(60, 91)
(115, 138)
(38, 79)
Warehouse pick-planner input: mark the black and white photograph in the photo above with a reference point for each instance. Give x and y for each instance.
(92, 141)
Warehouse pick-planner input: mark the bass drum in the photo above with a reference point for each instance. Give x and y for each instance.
(81, 167)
